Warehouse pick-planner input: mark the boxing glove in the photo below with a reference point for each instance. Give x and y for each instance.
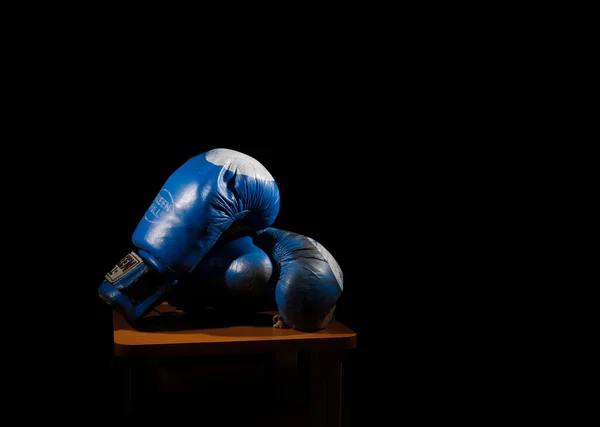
(294, 272)
(209, 194)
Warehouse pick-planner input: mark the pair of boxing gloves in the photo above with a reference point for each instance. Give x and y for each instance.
(207, 238)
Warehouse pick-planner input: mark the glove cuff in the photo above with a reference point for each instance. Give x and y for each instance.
(135, 285)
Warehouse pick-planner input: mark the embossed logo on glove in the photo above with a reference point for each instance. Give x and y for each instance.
(162, 205)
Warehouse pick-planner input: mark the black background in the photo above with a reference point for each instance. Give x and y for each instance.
(408, 146)
(401, 207)
(400, 148)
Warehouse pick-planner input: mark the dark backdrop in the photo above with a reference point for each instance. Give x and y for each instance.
(385, 165)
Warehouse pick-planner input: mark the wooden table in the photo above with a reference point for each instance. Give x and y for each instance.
(169, 333)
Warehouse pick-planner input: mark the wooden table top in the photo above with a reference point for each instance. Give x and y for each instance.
(167, 332)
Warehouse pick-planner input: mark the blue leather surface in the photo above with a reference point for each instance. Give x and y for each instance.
(310, 280)
(199, 202)
(207, 195)
(302, 278)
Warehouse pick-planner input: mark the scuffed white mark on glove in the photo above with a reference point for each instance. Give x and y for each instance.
(238, 162)
(337, 271)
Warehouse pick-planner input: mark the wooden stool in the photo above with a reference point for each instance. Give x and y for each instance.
(167, 333)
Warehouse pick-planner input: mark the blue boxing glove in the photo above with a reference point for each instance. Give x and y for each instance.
(294, 272)
(309, 280)
(209, 194)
